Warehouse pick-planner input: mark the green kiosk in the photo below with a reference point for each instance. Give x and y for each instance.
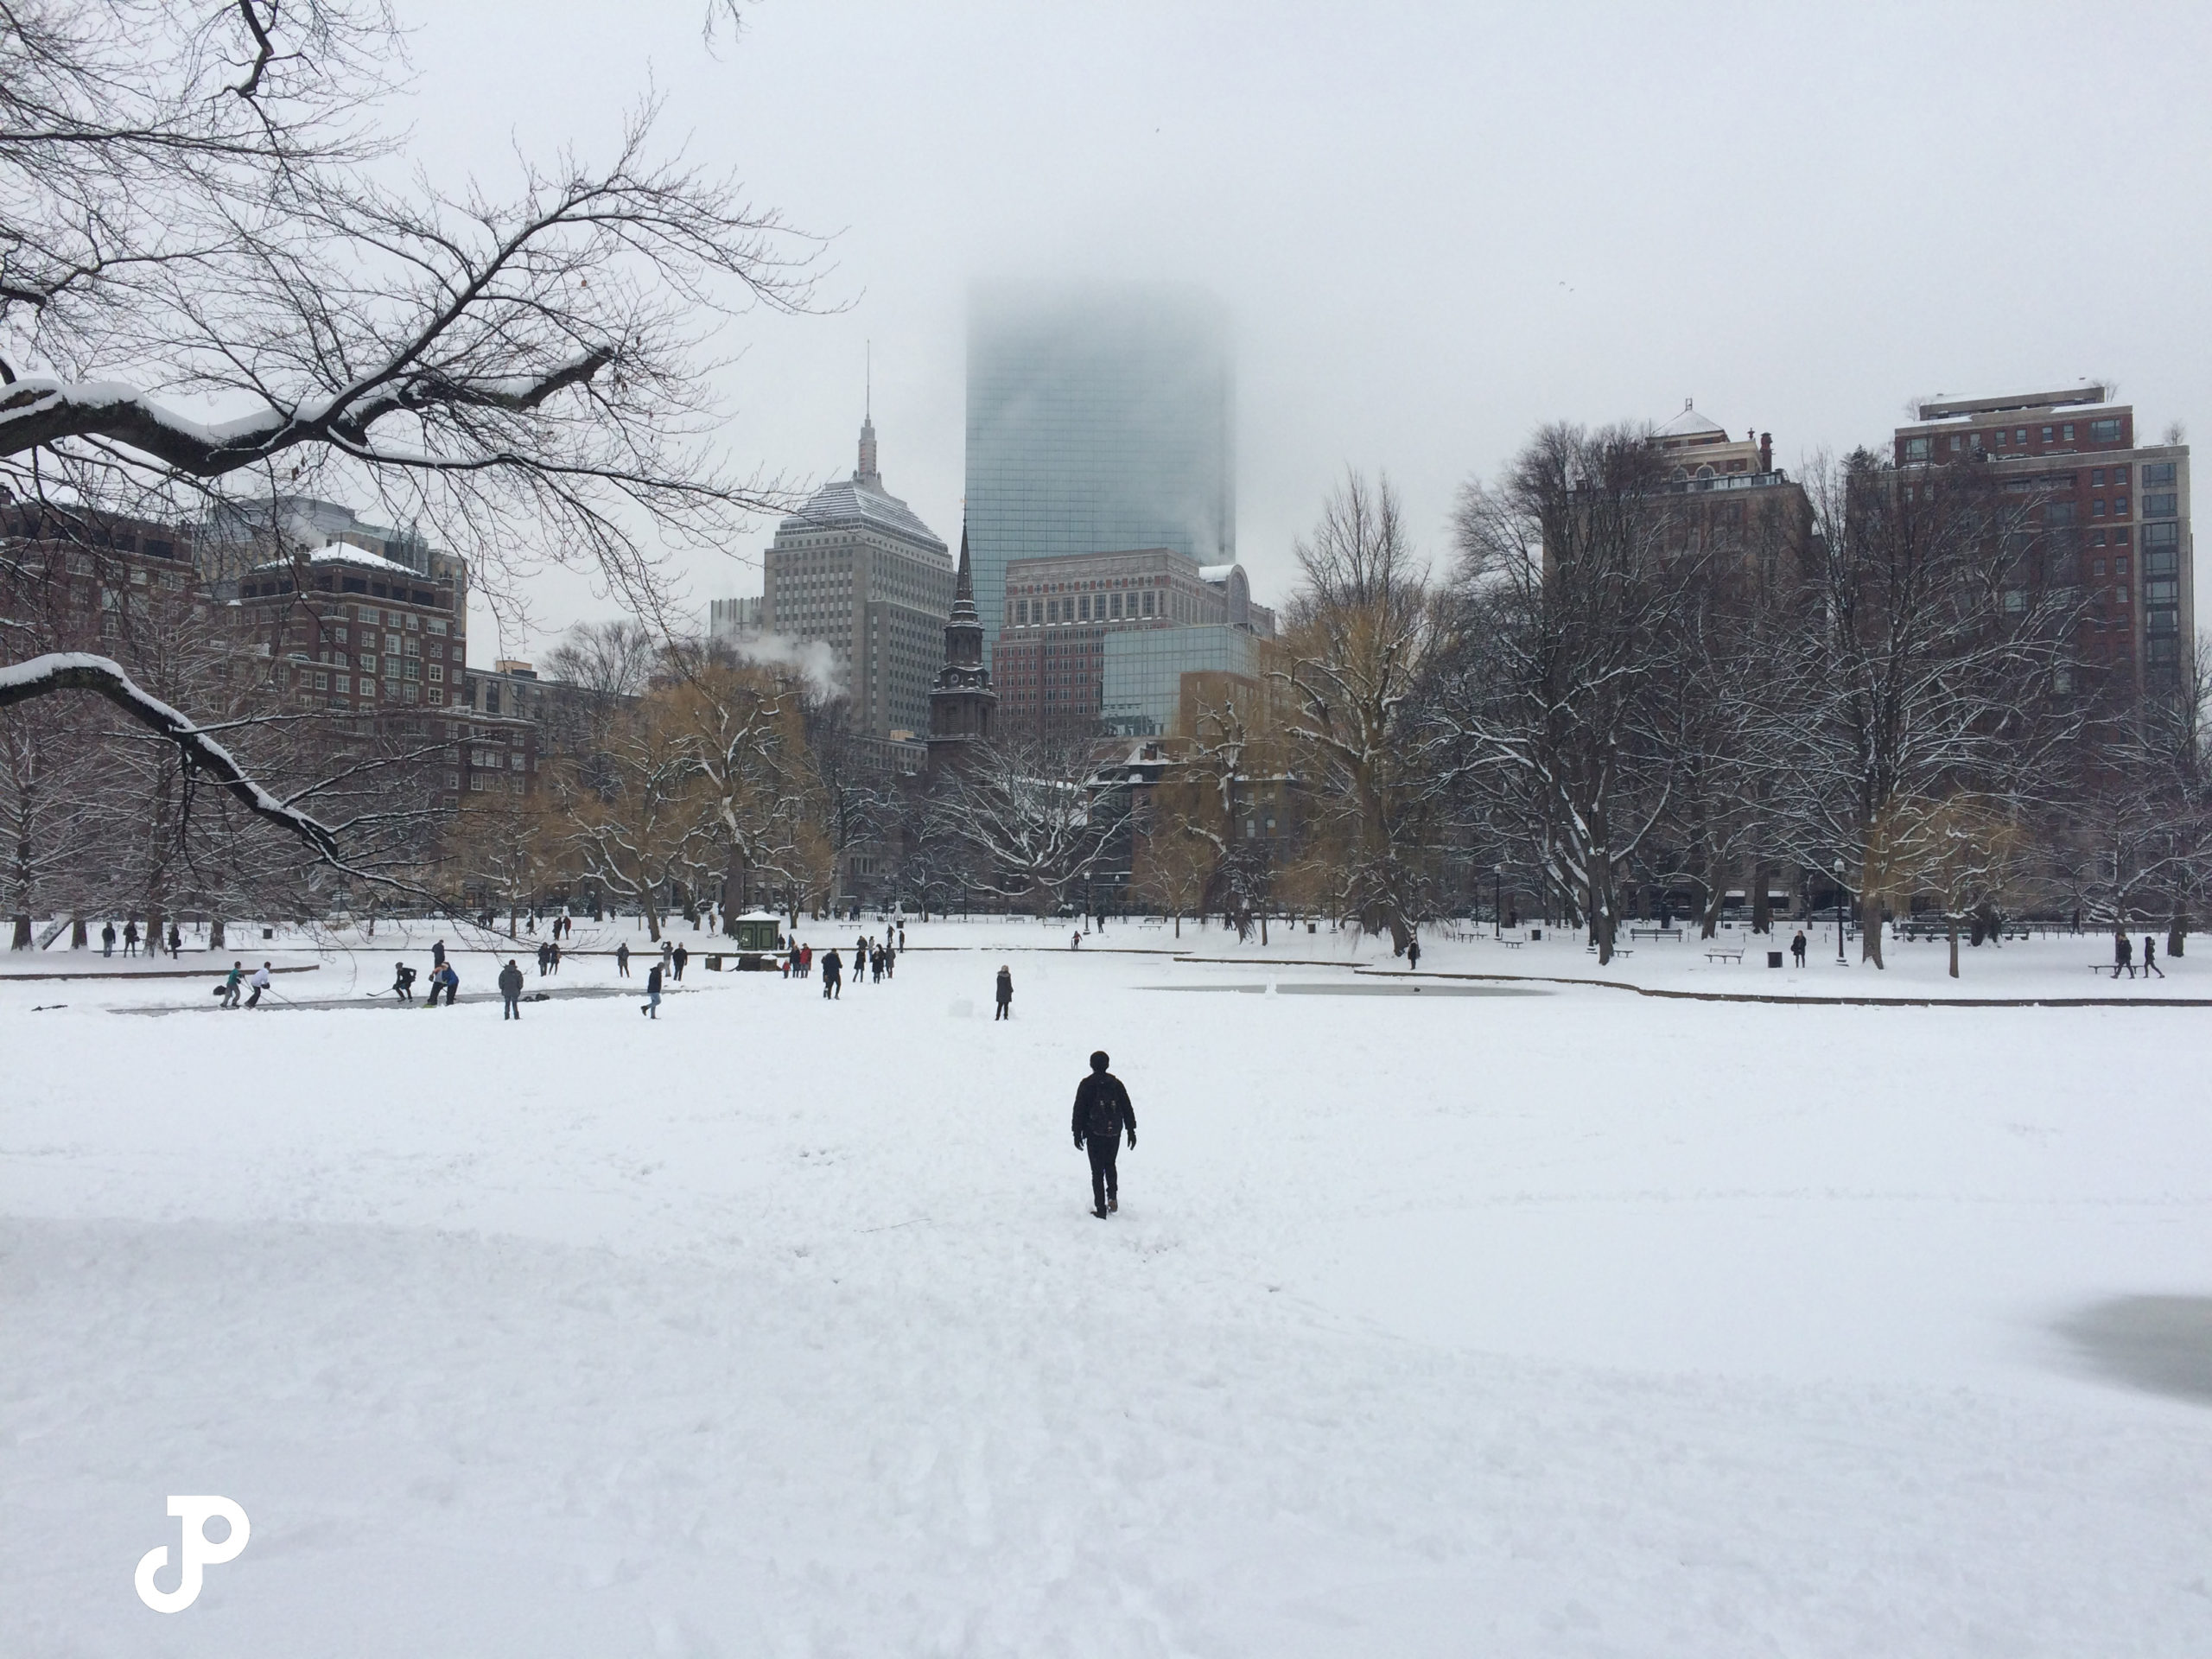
(760, 938)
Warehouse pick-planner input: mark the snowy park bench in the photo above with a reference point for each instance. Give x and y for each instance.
(1725, 953)
(1654, 932)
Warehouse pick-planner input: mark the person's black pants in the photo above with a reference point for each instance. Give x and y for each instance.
(513, 1010)
(1103, 1149)
(1003, 1012)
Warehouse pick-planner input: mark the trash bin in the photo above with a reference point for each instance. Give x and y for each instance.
(1535, 932)
(713, 963)
(1774, 958)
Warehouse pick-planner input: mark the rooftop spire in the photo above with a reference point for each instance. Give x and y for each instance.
(867, 472)
(963, 589)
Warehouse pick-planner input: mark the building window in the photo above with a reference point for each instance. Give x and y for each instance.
(475, 782)
(1917, 448)
(2160, 506)
(2020, 436)
(2105, 431)
(2120, 506)
(2119, 537)
(2068, 431)
(2097, 508)
(2047, 433)
(2097, 478)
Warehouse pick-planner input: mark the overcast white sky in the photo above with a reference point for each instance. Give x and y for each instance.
(1436, 225)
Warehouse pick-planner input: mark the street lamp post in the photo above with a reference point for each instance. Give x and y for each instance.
(1839, 914)
(1497, 900)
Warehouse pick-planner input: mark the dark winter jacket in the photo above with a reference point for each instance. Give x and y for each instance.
(652, 981)
(510, 981)
(1101, 1108)
(1006, 985)
(831, 967)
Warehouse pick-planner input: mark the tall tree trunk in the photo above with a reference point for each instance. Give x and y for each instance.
(1716, 895)
(1870, 927)
(1762, 911)
(2176, 931)
(216, 940)
(81, 931)
(1952, 917)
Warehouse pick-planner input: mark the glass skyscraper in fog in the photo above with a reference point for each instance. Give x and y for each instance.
(1101, 417)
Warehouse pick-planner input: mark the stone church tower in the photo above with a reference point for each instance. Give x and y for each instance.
(962, 702)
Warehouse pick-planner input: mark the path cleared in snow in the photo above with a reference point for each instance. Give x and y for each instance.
(1568, 1323)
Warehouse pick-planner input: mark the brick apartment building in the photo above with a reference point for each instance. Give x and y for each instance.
(2111, 515)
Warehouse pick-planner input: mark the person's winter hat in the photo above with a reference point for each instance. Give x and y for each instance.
(1098, 1061)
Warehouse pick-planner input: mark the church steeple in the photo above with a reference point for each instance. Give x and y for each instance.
(962, 702)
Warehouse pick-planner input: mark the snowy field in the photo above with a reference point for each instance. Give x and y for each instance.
(1544, 1319)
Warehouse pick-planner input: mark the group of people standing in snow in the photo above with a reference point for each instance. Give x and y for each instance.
(872, 957)
(154, 941)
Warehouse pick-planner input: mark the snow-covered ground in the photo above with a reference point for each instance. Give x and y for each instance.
(1543, 1320)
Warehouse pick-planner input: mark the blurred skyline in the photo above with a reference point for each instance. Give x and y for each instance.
(1434, 227)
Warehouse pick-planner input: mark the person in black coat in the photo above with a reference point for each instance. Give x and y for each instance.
(1102, 1113)
(652, 992)
(511, 990)
(833, 977)
(1006, 994)
(679, 958)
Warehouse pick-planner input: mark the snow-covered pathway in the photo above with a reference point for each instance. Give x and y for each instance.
(1563, 1323)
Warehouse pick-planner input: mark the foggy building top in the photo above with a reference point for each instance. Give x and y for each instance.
(1099, 417)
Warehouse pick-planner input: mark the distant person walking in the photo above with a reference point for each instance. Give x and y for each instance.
(1413, 955)
(1797, 947)
(107, 938)
(806, 962)
(555, 958)
(437, 955)
(652, 1009)
(511, 991)
(260, 982)
(1006, 995)
(833, 973)
(230, 985)
(130, 938)
(2123, 955)
(403, 982)
(622, 959)
(442, 978)
(2150, 958)
(1102, 1113)
(176, 942)
(681, 956)
(1075, 940)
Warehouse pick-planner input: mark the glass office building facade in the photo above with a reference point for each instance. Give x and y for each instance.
(1143, 673)
(1100, 417)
